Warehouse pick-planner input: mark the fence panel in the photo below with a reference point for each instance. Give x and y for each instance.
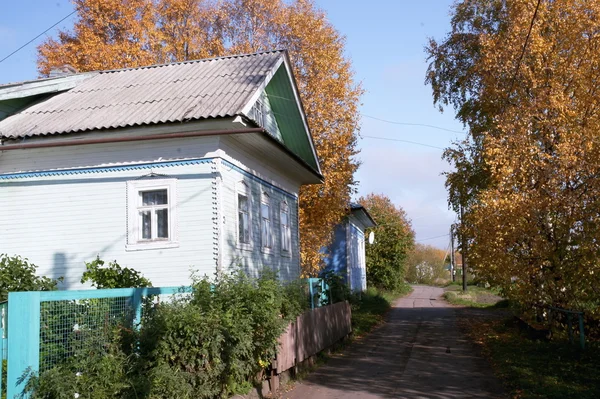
(46, 327)
(49, 326)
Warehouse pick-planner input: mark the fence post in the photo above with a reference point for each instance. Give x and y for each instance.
(137, 307)
(570, 327)
(312, 295)
(581, 332)
(1, 356)
(24, 333)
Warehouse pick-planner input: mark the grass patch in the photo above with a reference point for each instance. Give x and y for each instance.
(370, 310)
(536, 369)
(476, 297)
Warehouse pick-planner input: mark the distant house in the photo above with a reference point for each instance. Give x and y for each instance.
(166, 169)
(346, 254)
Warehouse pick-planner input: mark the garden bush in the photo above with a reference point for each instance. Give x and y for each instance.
(17, 274)
(211, 343)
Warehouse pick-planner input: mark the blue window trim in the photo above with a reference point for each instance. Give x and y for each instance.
(153, 165)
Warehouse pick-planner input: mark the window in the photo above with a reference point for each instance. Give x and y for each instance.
(265, 223)
(244, 215)
(153, 214)
(286, 231)
(151, 209)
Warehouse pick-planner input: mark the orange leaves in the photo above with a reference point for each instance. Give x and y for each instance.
(534, 119)
(127, 33)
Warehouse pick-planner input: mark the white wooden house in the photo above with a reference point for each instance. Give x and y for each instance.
(167, 169)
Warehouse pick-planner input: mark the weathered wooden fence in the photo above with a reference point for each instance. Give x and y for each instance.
(312, 332)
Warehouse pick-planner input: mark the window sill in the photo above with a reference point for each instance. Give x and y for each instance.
(268, 251)
(142, 246)
(286, 254)
(244, 247)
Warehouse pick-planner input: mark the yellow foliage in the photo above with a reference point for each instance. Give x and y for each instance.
(533, 227)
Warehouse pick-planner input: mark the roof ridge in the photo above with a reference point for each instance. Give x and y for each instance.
(224, 57)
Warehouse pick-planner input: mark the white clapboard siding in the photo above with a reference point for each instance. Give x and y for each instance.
(107, 154)
(60, 222)
(254, 259)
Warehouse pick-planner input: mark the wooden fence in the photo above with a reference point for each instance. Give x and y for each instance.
(313, 331)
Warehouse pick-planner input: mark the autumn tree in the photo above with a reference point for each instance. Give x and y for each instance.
(394, 239)
(425, 264)
(128, 33)
(524, 77)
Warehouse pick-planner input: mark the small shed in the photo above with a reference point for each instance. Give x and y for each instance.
(346, 254)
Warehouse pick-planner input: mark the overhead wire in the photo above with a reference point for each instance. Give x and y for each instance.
(432, 238)
(32, 40)
(403, 141)
(413, 124)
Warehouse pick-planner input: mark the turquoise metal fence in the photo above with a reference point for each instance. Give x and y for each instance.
(3, 344)
(46, 327)
(319, 292)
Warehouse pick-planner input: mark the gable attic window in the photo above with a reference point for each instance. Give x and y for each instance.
(244, 205)
(151, 214)
(259, 113)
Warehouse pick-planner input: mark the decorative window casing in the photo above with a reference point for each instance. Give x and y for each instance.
(244, 219)
(152, 218)
(266, 225)
(285, 229)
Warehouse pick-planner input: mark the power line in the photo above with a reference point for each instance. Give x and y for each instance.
(512, 84)
(403, 141)
(432, 238)
(412, 124)
(385, 120)
(32, 40)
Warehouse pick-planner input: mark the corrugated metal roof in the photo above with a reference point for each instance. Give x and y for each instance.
(192, 90)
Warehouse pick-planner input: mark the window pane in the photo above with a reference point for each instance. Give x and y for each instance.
(155, 197)
(146, 223)
(243, 219)
(244, 232)
(242, 203)
(162, 222)
(264, 210)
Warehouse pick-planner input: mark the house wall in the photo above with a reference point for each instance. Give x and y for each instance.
(59, 222)
(253, 258)
(357, 272)
(74, 207)
(346, 254)
(337, 251)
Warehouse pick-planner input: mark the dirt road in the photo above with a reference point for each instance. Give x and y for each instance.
(418, 353)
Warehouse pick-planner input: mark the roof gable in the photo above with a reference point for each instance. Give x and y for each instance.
(180, 92)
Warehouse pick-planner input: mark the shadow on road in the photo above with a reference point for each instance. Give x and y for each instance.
(418, 353)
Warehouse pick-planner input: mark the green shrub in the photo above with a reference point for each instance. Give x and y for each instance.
(112, 276)
(17, 274)
(211, 343)
(217, 340)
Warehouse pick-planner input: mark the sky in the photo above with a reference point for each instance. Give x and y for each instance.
(385, 41)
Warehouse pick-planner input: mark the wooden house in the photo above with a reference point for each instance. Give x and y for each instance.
(167, 169)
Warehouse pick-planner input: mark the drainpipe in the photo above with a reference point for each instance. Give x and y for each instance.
(49, 144)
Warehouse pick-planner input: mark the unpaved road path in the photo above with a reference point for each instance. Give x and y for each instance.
(418, 353)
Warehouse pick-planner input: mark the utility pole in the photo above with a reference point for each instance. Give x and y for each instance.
(463, 250)
(452, 260)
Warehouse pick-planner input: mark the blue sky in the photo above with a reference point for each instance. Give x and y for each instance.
(385, 40)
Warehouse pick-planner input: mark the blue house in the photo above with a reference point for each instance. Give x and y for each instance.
(346, 254)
